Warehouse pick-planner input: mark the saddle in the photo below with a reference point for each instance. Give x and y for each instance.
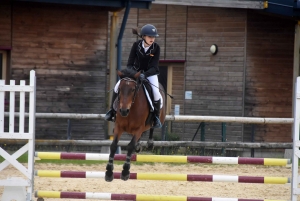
(148, 93)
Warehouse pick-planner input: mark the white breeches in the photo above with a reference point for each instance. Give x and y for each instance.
(154, 84)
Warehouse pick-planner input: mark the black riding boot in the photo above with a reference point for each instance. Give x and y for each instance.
(156, 105)
(110, 115)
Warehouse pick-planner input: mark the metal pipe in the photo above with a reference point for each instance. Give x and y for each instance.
(278, 4)
(177, 118)
(194, 144)
(119, 45)
(69, 130)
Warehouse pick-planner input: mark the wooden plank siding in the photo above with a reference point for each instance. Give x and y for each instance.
(250, 76)
(5, 26)
(241, 80)
(269, 74)
(215, 81)
(67, 47)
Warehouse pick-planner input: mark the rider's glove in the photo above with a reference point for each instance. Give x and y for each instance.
(142, 77)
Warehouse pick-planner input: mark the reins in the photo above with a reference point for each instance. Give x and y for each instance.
(160, 89)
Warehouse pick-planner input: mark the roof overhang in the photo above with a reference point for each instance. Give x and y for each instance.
(144, 4)
(290, 8)
(251, 4)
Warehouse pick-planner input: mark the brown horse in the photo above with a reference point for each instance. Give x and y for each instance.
(131, 117)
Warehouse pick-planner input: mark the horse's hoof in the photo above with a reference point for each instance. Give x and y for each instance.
(150, 144)
(125, 175)
(138, 149)
(109, 176)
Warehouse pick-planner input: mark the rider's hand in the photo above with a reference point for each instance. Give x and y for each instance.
(142, 77)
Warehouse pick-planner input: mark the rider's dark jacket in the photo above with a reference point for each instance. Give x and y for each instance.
(146, 61)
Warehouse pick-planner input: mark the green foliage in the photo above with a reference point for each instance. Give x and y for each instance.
(21, 159)
(169, 137)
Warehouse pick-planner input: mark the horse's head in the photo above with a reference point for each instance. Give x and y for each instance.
(127, 91)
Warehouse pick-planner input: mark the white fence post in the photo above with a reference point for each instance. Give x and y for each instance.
(296, 143)
(14, 187)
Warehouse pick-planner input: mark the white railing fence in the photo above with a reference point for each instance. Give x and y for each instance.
(18, 188)
(296, 143)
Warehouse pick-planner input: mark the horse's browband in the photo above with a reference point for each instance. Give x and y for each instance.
(128, 79)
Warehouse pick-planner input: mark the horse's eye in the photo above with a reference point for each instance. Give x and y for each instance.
(132, 90)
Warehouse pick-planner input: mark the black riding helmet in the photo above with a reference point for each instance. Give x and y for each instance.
(149, 30)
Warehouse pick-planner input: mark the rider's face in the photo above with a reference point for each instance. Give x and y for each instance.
(149, 39)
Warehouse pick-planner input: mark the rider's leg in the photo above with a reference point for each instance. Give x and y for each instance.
(109, 116)
(157, 100)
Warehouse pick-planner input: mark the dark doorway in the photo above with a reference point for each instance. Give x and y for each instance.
(1, 65)
(163, 76)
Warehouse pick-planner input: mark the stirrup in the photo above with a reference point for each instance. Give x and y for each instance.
(109, 116)
(157, 123)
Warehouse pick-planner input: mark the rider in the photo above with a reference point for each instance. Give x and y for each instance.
(144, 56)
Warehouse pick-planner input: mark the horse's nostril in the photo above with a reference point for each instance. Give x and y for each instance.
(127, 111)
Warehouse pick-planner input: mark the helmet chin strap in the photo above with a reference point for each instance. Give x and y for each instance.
(145, 40)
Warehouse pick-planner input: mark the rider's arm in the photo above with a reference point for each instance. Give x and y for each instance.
(131, 58)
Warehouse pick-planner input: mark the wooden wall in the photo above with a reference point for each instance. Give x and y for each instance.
(5, 26)
(250, 76)
(67, 47)
(269, 74)
(215, 81)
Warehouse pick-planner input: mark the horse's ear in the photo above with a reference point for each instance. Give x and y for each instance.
(120, 74)
(137, 75)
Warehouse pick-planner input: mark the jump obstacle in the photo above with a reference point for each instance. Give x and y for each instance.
(137, 197)
(16, 188)
(11, 159)
(152, 176)
(164, 158)
(166, 177)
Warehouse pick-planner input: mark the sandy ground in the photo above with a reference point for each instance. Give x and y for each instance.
(180, 188)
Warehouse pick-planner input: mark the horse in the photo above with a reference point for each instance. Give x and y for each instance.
(132, 117)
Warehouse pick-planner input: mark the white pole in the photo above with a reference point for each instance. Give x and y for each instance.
(296, 143)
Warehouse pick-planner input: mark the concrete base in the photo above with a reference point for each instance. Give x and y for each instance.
(15, 193)
(288, 153)
(263, 153)
(106, 150)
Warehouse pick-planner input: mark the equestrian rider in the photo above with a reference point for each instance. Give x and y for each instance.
(144, 56)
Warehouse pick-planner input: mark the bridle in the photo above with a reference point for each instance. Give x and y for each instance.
(137, 88)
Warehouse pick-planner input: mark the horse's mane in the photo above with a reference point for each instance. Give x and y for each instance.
(128, 73)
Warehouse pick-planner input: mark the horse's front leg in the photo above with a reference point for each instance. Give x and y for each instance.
(126, 167)
(109, 175)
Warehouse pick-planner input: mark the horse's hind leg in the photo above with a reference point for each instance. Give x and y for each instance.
(138, 146)
(126, 167)
(150, 143)
(109, 175)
